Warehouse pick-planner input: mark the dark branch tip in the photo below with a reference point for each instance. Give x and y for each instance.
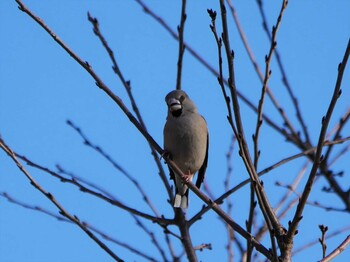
(321, 158)
(49, 195)
(339, 92)
(273, 29)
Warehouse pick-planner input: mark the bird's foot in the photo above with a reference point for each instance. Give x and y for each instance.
(188, 177)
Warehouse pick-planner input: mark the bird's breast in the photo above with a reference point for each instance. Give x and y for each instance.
(186, 140)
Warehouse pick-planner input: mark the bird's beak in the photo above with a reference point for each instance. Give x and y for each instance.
(174, 104)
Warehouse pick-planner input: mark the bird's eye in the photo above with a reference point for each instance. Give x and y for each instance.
(182, 98)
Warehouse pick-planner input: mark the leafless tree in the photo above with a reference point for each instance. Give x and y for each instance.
(271, 225)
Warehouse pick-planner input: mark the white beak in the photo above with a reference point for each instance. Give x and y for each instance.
(174, 104)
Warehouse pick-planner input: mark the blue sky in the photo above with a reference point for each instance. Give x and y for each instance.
(42, 86)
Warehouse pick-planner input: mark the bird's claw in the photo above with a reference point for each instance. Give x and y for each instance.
(188, 177)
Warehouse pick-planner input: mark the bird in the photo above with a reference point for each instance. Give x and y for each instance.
(186, 141)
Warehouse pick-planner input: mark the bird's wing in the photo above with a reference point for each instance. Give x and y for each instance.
(201, 172)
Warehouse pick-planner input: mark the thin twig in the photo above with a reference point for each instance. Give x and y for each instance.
(324, 170)
(322, 240)
(304, 153)
(266, 209)
(260, 106)
(261, 173)
(181, 29)
(292, 187)
(152, 237)
(147, 136)
(202, 61)
(220, 78)
(203, 246)
(338, 250)
(290, 137)
(122, 170)
(339, 127)
(92, 73)
(59, 217)
(337, 156)
(99, 194)
(318, 155)
(54, 201)
(315, 242)
(272, 225)
(213, 205)
(276, 104)
(127, 86)
(284, 76)
(265, 82)
(230, 232)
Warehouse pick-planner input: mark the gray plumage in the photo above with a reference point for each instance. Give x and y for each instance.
(186, 140)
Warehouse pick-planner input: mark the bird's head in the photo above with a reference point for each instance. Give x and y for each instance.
(178, 102)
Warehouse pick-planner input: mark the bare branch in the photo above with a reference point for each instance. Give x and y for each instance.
(284, 77)
(152, 237)
(99, 150)
(294, 135)
(338, 250)
(339, 127)
(53, 200)
(267, 211)
(181, 29)
(60, 217)
(266, 79)
(127, 86)
(322, 240)
(99, 194)
(218, 41)
(230, 233)
(314, 242)
(92, 73)
(201, 60)
(318, 159)
(203, 246)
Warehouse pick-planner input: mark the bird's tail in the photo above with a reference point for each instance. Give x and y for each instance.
(181, 201)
